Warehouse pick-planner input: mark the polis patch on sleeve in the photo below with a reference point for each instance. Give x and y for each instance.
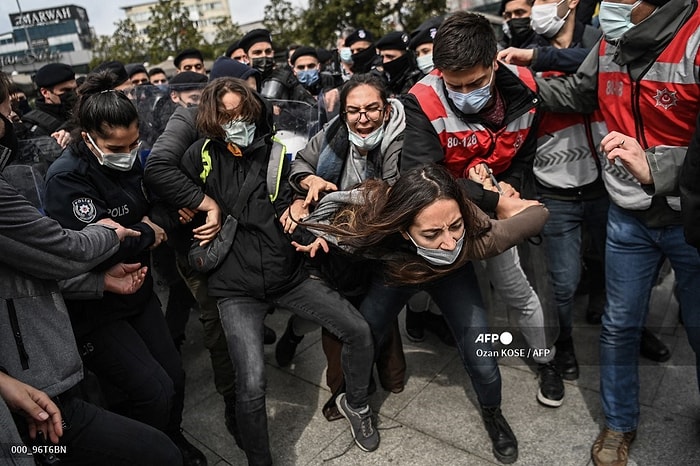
(84, 209)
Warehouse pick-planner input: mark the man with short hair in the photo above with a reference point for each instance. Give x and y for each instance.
(277, 83)
(516, 23)
(137, 74)
(307, 69)
(236, 52)
(399, 65)
(157, 76)
(475, 116)
(190, 60)
(54, 106)
(364, 55)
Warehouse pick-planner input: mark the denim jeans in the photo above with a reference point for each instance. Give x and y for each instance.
(214, 338)
(459, 298)
(508, 279)
(242, 321)
(562, 241)
(633, 252)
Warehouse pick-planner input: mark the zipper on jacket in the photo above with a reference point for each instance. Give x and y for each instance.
(14, 324)
(591, 145)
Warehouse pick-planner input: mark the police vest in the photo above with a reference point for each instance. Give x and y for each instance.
(274, 166)
(466, 144)
(567, 152)
(659, 109)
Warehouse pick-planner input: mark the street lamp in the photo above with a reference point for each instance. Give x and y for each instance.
(26, 31)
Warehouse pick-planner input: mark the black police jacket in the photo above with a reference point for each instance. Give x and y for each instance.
(80, 191)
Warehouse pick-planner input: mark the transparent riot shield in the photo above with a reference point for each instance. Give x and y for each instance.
(295, 123)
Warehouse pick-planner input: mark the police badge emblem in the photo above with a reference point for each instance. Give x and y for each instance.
(84, 209)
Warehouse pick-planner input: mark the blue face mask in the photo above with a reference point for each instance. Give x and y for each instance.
(239, 132)
(615, 18)
(474, 101)
(346, 54)
(308, 77)
(439, 256)
(425, 63)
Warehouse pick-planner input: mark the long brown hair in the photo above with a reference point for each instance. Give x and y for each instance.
(210, 116)
(370, 226)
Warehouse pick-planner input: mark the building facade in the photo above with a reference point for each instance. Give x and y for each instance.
(57, 34)
(205, 14)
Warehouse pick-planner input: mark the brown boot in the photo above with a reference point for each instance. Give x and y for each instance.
(611, 448)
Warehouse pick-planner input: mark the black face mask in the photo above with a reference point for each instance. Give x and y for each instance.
(264, 65)
(396, 68)
(362, 61)
(520, 31)
(21, 107)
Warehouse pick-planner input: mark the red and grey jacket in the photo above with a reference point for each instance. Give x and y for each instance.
(567, 163)
(666, 96)
(468, 140)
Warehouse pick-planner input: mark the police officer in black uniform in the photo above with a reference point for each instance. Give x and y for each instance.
(399, 65)
(277, 83)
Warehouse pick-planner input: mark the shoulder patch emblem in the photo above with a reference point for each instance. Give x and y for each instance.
(84, 209)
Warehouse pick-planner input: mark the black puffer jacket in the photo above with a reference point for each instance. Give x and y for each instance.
(262, 262)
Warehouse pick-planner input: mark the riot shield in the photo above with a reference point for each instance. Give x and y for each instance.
(295, 123)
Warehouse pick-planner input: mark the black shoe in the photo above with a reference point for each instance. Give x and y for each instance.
(505, 445)
(230, 421)
(653, 348)
(287, 346)
(551, 392)
(414, 325)
(191, 455)
(565, 360)
(437, 325)
(269, 335)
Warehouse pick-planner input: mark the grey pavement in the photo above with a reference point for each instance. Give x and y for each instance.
(435, 420)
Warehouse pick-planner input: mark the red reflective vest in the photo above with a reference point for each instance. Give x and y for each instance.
(659, 109)
(467, 144)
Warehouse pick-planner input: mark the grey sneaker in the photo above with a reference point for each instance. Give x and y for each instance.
(361, 425)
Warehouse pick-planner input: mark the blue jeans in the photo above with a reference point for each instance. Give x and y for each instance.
(242, 321)
(459, 299)
(633, 252)
(562, 241)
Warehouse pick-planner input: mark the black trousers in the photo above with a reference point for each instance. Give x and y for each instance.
(93, 436)
(138, 357)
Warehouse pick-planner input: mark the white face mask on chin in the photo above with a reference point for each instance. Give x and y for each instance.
(369, 142)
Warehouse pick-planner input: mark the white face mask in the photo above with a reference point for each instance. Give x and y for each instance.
(239, 132)
(369, 142)
(117, 161)
(439, 256)
(615, 18)
(545, 21)
(425, 63)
